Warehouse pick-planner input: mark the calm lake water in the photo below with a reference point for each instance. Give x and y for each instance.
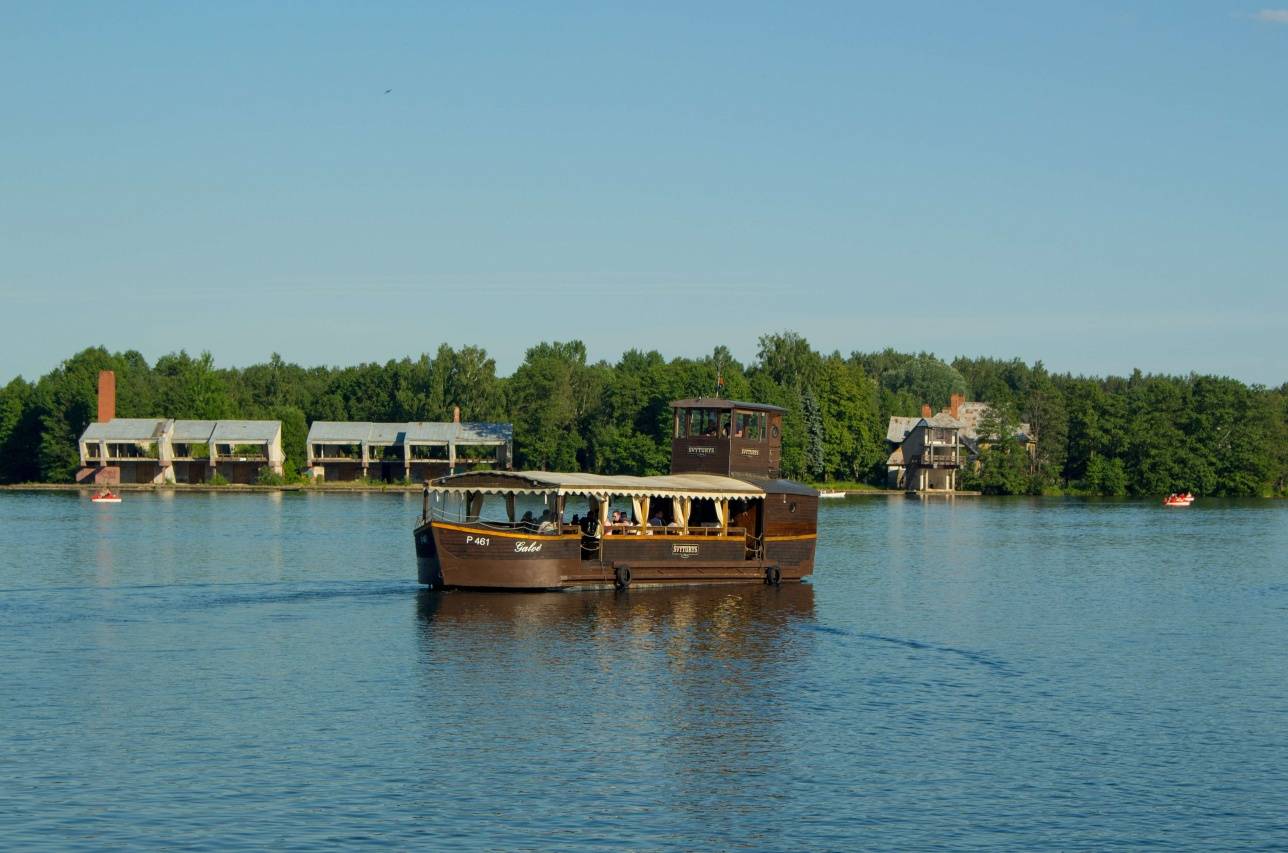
(222, 670)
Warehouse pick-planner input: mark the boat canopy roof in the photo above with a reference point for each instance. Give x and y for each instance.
(711, 486)
(722, 404)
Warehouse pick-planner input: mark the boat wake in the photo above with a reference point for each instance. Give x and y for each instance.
(998, 666)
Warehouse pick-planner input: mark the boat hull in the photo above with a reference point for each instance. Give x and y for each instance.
(467, 557)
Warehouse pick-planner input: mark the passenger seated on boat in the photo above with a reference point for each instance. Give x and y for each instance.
(528, 522)
(656, 520)
(547, 524)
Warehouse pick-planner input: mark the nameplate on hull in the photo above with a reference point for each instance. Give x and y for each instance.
(684, 550)
(699, 450)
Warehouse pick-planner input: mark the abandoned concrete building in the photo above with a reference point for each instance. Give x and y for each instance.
(419, 450)
(163, 450)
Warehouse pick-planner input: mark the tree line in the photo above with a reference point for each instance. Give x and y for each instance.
(1135, 435)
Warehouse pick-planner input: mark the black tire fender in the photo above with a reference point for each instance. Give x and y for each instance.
(622, 577)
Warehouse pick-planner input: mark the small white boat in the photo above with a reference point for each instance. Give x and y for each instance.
(106, 498)
(831, 493)
(1183, 499)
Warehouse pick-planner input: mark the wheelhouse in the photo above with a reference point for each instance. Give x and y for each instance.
(726, 437)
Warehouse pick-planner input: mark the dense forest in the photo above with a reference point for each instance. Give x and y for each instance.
(1135, 435)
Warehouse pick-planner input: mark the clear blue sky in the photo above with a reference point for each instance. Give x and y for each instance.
(1100, 185)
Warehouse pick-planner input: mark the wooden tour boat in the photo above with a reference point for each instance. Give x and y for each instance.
(722, 515)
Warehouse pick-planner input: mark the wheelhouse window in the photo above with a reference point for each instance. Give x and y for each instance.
(703, 423)
(749, 426)
(700, 423)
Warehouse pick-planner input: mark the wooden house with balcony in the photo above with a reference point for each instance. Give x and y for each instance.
(931, 455)
(929, 450)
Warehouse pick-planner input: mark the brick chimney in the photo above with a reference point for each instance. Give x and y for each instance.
(106, 396)
(456, 414)
(925, 410)
(955, 406)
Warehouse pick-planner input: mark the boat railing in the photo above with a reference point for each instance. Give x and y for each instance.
(935, 458)
(492, 524)
(693, 530)
(566, 529)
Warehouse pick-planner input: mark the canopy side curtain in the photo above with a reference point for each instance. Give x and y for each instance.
(601, 502)
(640, 507)
(680, 508)
(475, 506)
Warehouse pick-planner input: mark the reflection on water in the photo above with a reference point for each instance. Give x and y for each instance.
(727, 611)
(691, 688)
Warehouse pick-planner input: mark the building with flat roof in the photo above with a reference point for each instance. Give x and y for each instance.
(413, 451)
(163, 450)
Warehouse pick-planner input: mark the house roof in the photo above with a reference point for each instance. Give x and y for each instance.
(382, 433)
(899, 428)
(415, 432)
(125, 429)
(474, 432)
(192, 432)
(339, 432)
(477, 432)
(525, 482)
(246, 431)
(966, 422)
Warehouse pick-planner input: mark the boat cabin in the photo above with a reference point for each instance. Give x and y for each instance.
(726, 437)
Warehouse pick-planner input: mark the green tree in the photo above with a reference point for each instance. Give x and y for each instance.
(1044, 409)
(19, 433)
(295, 430)
(785, 366)
(191, 388)
(550, 396)
(1106, 476)
(922, 378)
(1003, 461)
(470, 382)
(815, 464)
(853, 429)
